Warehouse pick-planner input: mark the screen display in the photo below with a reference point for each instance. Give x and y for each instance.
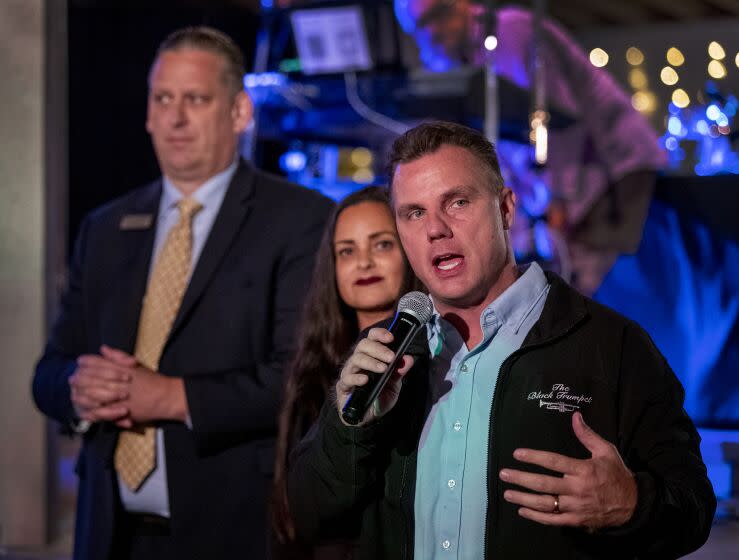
(331, 40)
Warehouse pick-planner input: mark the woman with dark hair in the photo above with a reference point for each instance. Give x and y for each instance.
(360, 273)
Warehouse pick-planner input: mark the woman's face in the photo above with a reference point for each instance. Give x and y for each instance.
(369, 262)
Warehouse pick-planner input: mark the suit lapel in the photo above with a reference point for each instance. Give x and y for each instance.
(136, 247)
(234, 210)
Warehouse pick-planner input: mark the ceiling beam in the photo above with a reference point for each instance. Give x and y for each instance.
(570, 17)
(729, 6)
(612, 12)
(565, 14)
(676, 9)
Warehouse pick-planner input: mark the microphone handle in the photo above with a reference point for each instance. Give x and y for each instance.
(403, 329)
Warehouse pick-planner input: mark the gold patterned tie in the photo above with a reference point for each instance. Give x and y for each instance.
(135, 454)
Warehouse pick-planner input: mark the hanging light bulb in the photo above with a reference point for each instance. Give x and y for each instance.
(634, 56)
(638, 78)
(540, 136)
(541, 150)
(675, 57)
(716, 51)
(680, 98)
(644, 102)
(598, 57)
(668, 76)
(716, 69)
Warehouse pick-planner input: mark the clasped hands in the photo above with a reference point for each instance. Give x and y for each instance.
(114, 387)
(593, 493)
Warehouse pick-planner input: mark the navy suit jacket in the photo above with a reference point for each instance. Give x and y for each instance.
(230, 342)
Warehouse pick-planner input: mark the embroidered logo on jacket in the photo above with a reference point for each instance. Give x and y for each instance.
(559, 398)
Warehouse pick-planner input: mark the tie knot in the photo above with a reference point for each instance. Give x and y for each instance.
(188, 208)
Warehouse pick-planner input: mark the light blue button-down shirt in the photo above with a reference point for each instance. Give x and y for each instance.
(153, 496)
(451, 480)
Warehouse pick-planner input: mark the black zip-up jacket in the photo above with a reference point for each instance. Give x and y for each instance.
(579, 353)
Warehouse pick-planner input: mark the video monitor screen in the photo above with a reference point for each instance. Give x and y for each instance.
(331, 40)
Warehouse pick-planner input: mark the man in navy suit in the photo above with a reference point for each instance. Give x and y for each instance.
(211, 400)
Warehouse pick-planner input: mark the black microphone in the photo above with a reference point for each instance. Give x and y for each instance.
(414, 311)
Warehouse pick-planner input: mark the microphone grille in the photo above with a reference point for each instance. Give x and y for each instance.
(418, 303)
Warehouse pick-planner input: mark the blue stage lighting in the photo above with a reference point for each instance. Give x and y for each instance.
(293, 161)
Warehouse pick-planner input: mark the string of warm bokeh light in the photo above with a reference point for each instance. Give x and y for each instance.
(643, 98)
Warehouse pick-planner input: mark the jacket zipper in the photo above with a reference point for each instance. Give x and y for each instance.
(507, 364)
(406, 537)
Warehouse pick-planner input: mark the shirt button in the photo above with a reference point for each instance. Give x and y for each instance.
(445, 544)
(457, 426)
(463, 369)
(452, 483)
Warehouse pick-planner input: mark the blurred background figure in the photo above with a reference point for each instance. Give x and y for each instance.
(360, 273)
(600, 171)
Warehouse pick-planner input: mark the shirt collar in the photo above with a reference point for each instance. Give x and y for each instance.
(205, 194)
(513, 306)
(510, 308)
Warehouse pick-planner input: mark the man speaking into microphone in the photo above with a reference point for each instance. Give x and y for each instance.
(533, 423)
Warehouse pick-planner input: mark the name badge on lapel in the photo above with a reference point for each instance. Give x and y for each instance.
(135, 222)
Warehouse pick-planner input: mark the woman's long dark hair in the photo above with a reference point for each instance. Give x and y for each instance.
(327, 330)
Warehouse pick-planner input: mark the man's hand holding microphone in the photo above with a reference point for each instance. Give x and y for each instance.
(370, 382)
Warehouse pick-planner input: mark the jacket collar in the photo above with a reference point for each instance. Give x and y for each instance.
(135, 248)
(236, 206)
(563, 310)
